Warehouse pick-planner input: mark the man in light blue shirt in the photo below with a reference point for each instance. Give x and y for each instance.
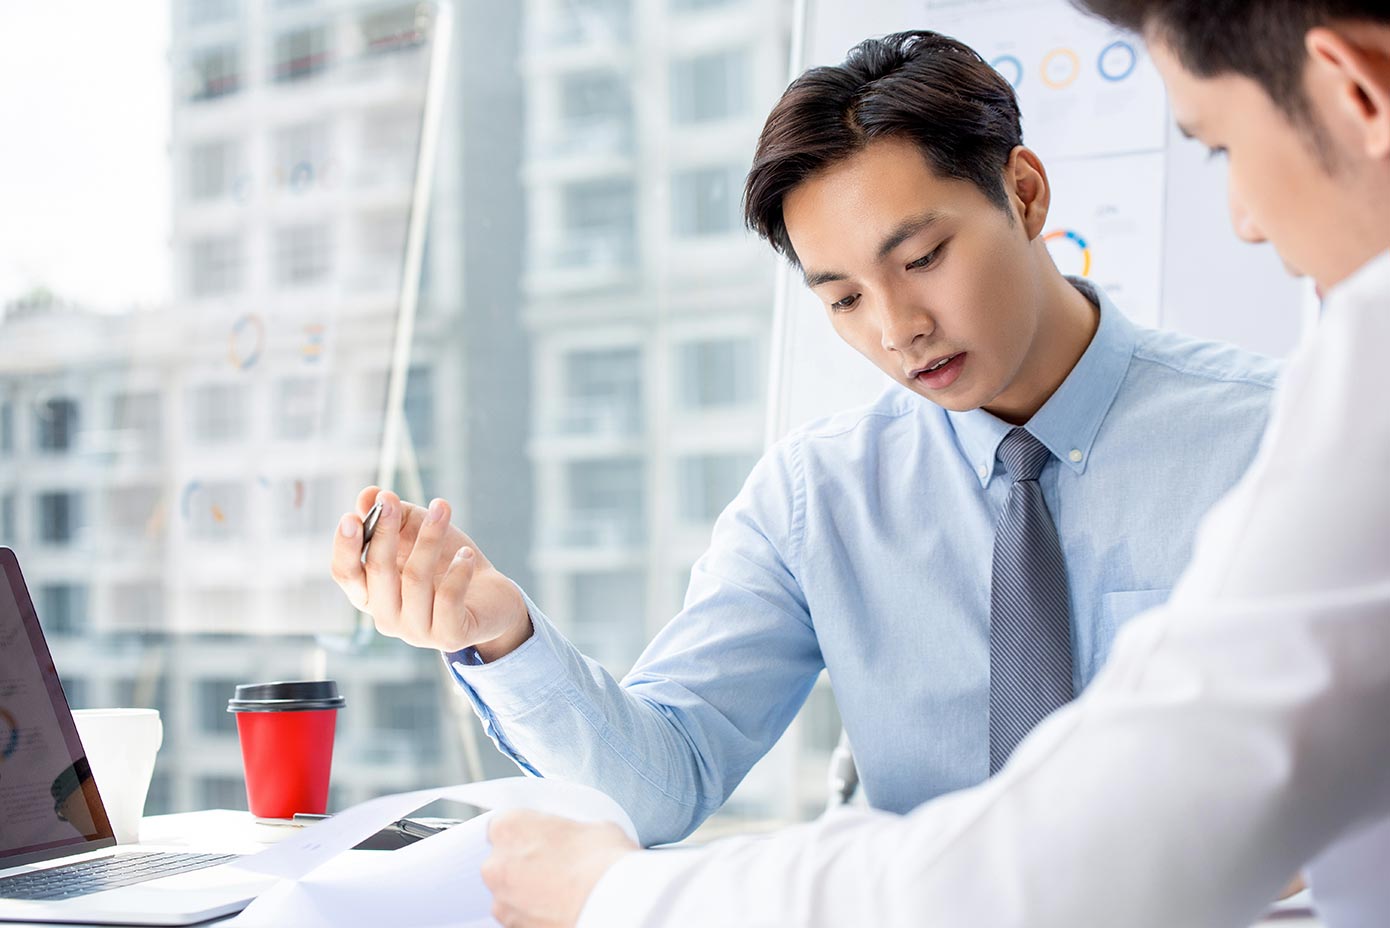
(865, 543)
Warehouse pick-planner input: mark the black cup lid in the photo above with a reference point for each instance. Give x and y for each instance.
(291, 696)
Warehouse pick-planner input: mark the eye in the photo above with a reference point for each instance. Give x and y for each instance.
(1214, 153)
(927, 260)
(840, 306)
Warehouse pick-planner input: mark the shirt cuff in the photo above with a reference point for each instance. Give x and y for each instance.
(632, 891)
(521, 680)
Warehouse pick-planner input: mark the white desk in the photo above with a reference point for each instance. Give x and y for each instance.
(237, 832)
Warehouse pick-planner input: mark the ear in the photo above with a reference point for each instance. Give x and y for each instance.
(1355, 76)
(1030, 193)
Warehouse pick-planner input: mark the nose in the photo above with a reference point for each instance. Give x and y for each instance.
(902, 323)
(1246, 227)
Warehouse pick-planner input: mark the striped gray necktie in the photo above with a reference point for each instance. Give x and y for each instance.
(1029, 612)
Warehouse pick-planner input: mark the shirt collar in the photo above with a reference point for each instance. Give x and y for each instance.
(1068, 422)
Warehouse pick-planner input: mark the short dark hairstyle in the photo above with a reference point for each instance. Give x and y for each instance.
(1258, 39)
(919, 86)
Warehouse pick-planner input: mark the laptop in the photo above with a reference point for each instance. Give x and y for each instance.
(58, 856)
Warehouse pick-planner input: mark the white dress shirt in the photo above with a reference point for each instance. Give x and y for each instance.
(1236, 734)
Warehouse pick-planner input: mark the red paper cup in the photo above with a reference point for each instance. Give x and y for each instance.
(286, 732)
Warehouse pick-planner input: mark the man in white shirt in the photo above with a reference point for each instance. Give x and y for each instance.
(1236, 735)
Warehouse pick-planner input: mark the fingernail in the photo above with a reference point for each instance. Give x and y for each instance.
(464, 554)
(388, 509)
(347, 526)
(436, 512)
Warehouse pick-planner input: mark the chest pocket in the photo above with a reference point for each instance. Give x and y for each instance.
(1115, 610)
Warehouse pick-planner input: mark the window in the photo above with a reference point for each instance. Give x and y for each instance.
(9, 529)
(75, 690)
(705, 201)
(391, 30)
(216, 72)
(600, 223)
(606, 508)
(301, 408)
(419, 406)
(708, 482)
(604, 392)
(222, 792)
(214, 265)
(212, 169)
(132, 512)
(595, 113)
(301, 53)
(718, 372)
(55, 422)
(301, 154)
(63, 608)
(136, 606)
(213, 717)
(136, 420)
(216, 511)
(217, 413)
(709, 88)
(607, 615)
(303, 255)
(6, 428)
(59, 516)
(207, 12)
(410, 711)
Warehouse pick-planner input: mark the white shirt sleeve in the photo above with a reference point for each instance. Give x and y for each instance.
(1234, 735)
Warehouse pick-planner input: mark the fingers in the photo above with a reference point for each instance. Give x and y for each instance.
(383, 598)
(420, 573)
(347, 560)
(366, 499)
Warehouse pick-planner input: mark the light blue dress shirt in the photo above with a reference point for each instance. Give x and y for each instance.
(862, 544)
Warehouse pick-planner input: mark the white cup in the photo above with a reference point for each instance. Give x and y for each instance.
(121, 745)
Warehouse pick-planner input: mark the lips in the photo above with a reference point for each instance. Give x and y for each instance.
(941, 372)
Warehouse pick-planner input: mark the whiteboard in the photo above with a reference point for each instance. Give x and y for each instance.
(1138, 207)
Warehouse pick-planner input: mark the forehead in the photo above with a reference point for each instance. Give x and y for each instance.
(1207, 104)
(857, 201)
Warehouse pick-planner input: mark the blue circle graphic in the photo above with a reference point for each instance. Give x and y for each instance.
(1118, 51)
(998, 65)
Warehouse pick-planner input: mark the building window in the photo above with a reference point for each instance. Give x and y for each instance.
(603, 392)
(212, 169)
(301, 154)
(705, 201)
(8, 527)
(60, 516)
(214, 265)
(303, 254)
(207, 12)
(55, 422)
(717, 373)
(136, 420)
(707, 483)
(600, 221)
(220, 792)
(692, 5)
(6, 428)
(63, 608)
(595, 113)
(213, 717)
(301, 53)
(607, 616)
(75, 690)
(130, 511)
(217, 413)
(216, 72)
(215, 511)
(300, 408)
(708, 88)
(391, 30)
(419, 406)
(137, 606)
(408, 710)
(606, 503)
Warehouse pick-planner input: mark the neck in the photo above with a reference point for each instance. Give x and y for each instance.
(1066, 325)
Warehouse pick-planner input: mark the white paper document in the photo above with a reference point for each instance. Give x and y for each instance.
(429, 884)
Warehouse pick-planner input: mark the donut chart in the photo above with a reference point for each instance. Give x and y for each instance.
(1117, 61)
(1060, 68)
(1010, 68)
(246, 341)
(9, 734)
(1079, 242)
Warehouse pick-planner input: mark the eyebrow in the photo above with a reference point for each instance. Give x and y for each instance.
(904, 231)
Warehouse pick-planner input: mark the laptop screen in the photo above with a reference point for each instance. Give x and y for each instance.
(49, 805)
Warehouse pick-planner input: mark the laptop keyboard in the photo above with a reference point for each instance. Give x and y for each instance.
(94, 876)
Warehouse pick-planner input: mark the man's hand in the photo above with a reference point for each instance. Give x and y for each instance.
(542, 868)
(425, 581)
